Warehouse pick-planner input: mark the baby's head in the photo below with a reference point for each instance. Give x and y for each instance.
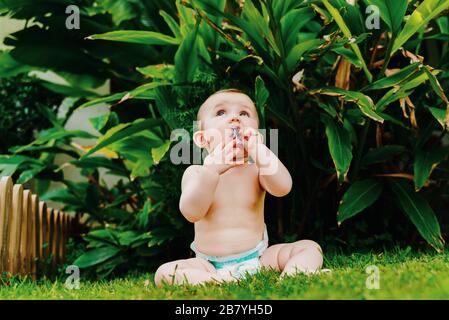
(221, 111)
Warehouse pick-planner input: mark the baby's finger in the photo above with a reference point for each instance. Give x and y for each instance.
(227, 151)
(218, 149)
(237, 154)
(229, 146)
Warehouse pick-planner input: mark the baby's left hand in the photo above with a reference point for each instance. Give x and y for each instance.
(253, 137)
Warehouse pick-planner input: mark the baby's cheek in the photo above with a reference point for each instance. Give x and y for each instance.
(214, 136)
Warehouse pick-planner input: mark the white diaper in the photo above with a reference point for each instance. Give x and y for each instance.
(237, 265)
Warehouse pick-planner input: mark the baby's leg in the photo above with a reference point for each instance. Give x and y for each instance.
(301, 256)
(192, 271)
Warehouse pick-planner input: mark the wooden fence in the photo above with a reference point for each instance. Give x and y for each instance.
(32, 237)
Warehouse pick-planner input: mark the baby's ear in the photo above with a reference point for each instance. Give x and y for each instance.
(198, 138)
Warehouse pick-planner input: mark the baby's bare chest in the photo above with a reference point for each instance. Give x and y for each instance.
(239, 186)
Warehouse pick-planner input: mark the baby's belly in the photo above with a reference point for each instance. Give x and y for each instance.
(231, 235)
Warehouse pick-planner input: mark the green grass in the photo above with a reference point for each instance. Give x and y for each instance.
(403, 275)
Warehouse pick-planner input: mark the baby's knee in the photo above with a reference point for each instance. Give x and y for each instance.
(311, 245)
(164, 273)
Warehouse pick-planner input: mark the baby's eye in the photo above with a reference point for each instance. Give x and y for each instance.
(220, 113)
(244, 113)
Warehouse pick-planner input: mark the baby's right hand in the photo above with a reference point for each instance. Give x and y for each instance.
(224, 157)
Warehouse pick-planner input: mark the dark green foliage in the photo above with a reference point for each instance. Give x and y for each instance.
(347, 122)
(25, 108)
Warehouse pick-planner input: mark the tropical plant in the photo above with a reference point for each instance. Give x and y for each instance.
(362, 117)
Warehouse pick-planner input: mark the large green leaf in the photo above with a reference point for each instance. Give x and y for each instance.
(252, 23)
(419, 211)
(123, 131)
(187, 18)
(53, 134)
(348, 55)
(405, 89)
(68, 91)
(344, 28)
(364, 102)
(425, 163)
(55, 50)
(340, 148)
(119, 10)
(159, 71)
(359, 196)
(425, 12)
(159, 152)
(10, 164)
(439, 115)
(187, 61)
(436, 84)
(10, 67)
(96, 256)
(257, 25)
(295, 54)
(291, 23)
(394, 79)
(29, 174)
(262, 95)
(281, 8)
(439, 91)
(110, 98)
(172, 24)
(143, 92)
(381, 154)
(100, 162)
(136, 36)
(391, 11)
(63, 195)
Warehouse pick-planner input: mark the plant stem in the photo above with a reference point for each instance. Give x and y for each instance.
(360, 150)
(387, 56)
(418, 47)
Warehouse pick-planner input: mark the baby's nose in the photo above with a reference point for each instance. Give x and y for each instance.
(234, 117)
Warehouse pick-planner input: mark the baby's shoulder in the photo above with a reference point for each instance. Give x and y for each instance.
(192, 167)
(189, 173)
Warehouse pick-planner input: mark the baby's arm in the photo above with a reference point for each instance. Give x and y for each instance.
(273, 175)
(198, 188)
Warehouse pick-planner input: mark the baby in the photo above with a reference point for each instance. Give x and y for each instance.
(224, 198)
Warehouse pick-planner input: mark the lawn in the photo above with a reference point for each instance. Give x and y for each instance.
(403, 274)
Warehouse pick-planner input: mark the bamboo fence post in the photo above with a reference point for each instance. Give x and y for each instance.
(62, 237)
(25, 242)
(35, 235)
(55, 240)
(42, 230)
(66, 235)
(70, 225)
(5, 212)
(15, 231)
(50, 234)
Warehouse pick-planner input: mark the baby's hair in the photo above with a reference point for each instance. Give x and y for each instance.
(231, 90)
